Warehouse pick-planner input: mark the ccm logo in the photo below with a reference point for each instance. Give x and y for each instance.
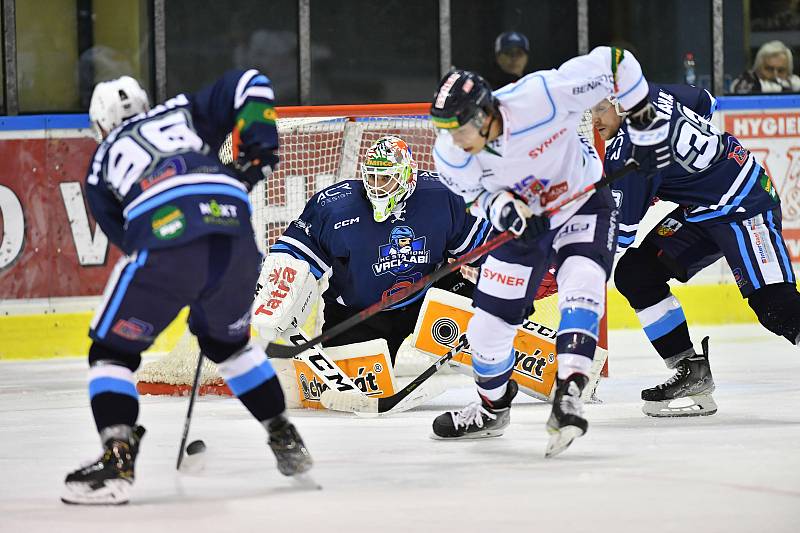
(343, 223)
(502, 279)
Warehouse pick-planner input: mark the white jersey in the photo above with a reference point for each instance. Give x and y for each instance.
(540, 155)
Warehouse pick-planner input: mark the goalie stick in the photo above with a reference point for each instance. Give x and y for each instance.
(286, 352)
(406, 398)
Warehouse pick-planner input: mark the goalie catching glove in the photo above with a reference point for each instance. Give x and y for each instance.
(509, 212)
(286, 293)
(649, 132)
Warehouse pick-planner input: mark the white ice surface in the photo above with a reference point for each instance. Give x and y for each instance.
(736, 471)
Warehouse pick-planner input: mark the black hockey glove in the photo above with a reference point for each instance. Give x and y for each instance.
(255, 163)
(650, 135)
(537, 224)
(507, 211)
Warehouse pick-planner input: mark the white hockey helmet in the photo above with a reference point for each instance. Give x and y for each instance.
(114, 101)
(390, 175)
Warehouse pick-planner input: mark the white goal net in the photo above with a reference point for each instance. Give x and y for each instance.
(317, 151)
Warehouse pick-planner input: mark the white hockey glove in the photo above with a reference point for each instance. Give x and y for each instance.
(650, 134)
(508, 212)
(287, 291)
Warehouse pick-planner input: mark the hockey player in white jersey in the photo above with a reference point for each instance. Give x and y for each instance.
(513, 154)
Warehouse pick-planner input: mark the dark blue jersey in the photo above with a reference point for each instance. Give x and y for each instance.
(712, 176)
(367, 260)
(156, 181)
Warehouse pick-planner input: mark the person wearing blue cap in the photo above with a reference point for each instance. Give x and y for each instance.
(511, 51)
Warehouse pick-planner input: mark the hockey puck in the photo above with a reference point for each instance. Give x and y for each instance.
(195, 447)
(195, 459)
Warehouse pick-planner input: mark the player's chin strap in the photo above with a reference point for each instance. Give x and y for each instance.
(285, 352)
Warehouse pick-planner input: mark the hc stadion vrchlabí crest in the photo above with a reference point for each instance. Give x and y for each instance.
(401, 253)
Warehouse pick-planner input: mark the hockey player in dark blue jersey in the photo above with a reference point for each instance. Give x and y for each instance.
(727, 207)
(371, 237)
(158, 190)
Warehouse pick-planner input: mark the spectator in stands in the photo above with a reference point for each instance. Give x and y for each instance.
(771, 72)
(511, 51)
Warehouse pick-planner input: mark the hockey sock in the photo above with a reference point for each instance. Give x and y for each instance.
(576, 340)
(251, 377)
(112, 392)
(665, 325)
(492, 377)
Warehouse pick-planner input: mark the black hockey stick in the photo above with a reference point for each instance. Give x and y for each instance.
(343, 401)
(193, 395)
(282, 351)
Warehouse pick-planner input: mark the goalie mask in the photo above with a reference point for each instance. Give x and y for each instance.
(115, 101)
(389, 174)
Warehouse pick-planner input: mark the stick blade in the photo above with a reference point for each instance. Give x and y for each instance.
(348, 402)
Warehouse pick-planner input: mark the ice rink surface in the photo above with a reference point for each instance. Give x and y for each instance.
(736, 471)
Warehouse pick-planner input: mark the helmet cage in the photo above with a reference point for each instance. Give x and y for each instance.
(600, 108)
(470, 129)
(388, 181)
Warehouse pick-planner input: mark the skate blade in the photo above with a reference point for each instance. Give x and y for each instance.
(115, 492)
(561, 439)
(472, 436)
(305, 481)
(701, 405)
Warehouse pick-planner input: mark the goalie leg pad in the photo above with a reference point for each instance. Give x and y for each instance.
(365, 365)
(251, 377)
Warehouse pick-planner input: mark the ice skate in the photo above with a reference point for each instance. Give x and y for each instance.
(566, 422)
(108, 480)
(687, 393)
(290, 452)
(478, 419)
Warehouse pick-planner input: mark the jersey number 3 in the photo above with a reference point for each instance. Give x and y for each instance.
(697, 142)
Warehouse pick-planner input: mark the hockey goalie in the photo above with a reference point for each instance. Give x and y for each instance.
(364, 240)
